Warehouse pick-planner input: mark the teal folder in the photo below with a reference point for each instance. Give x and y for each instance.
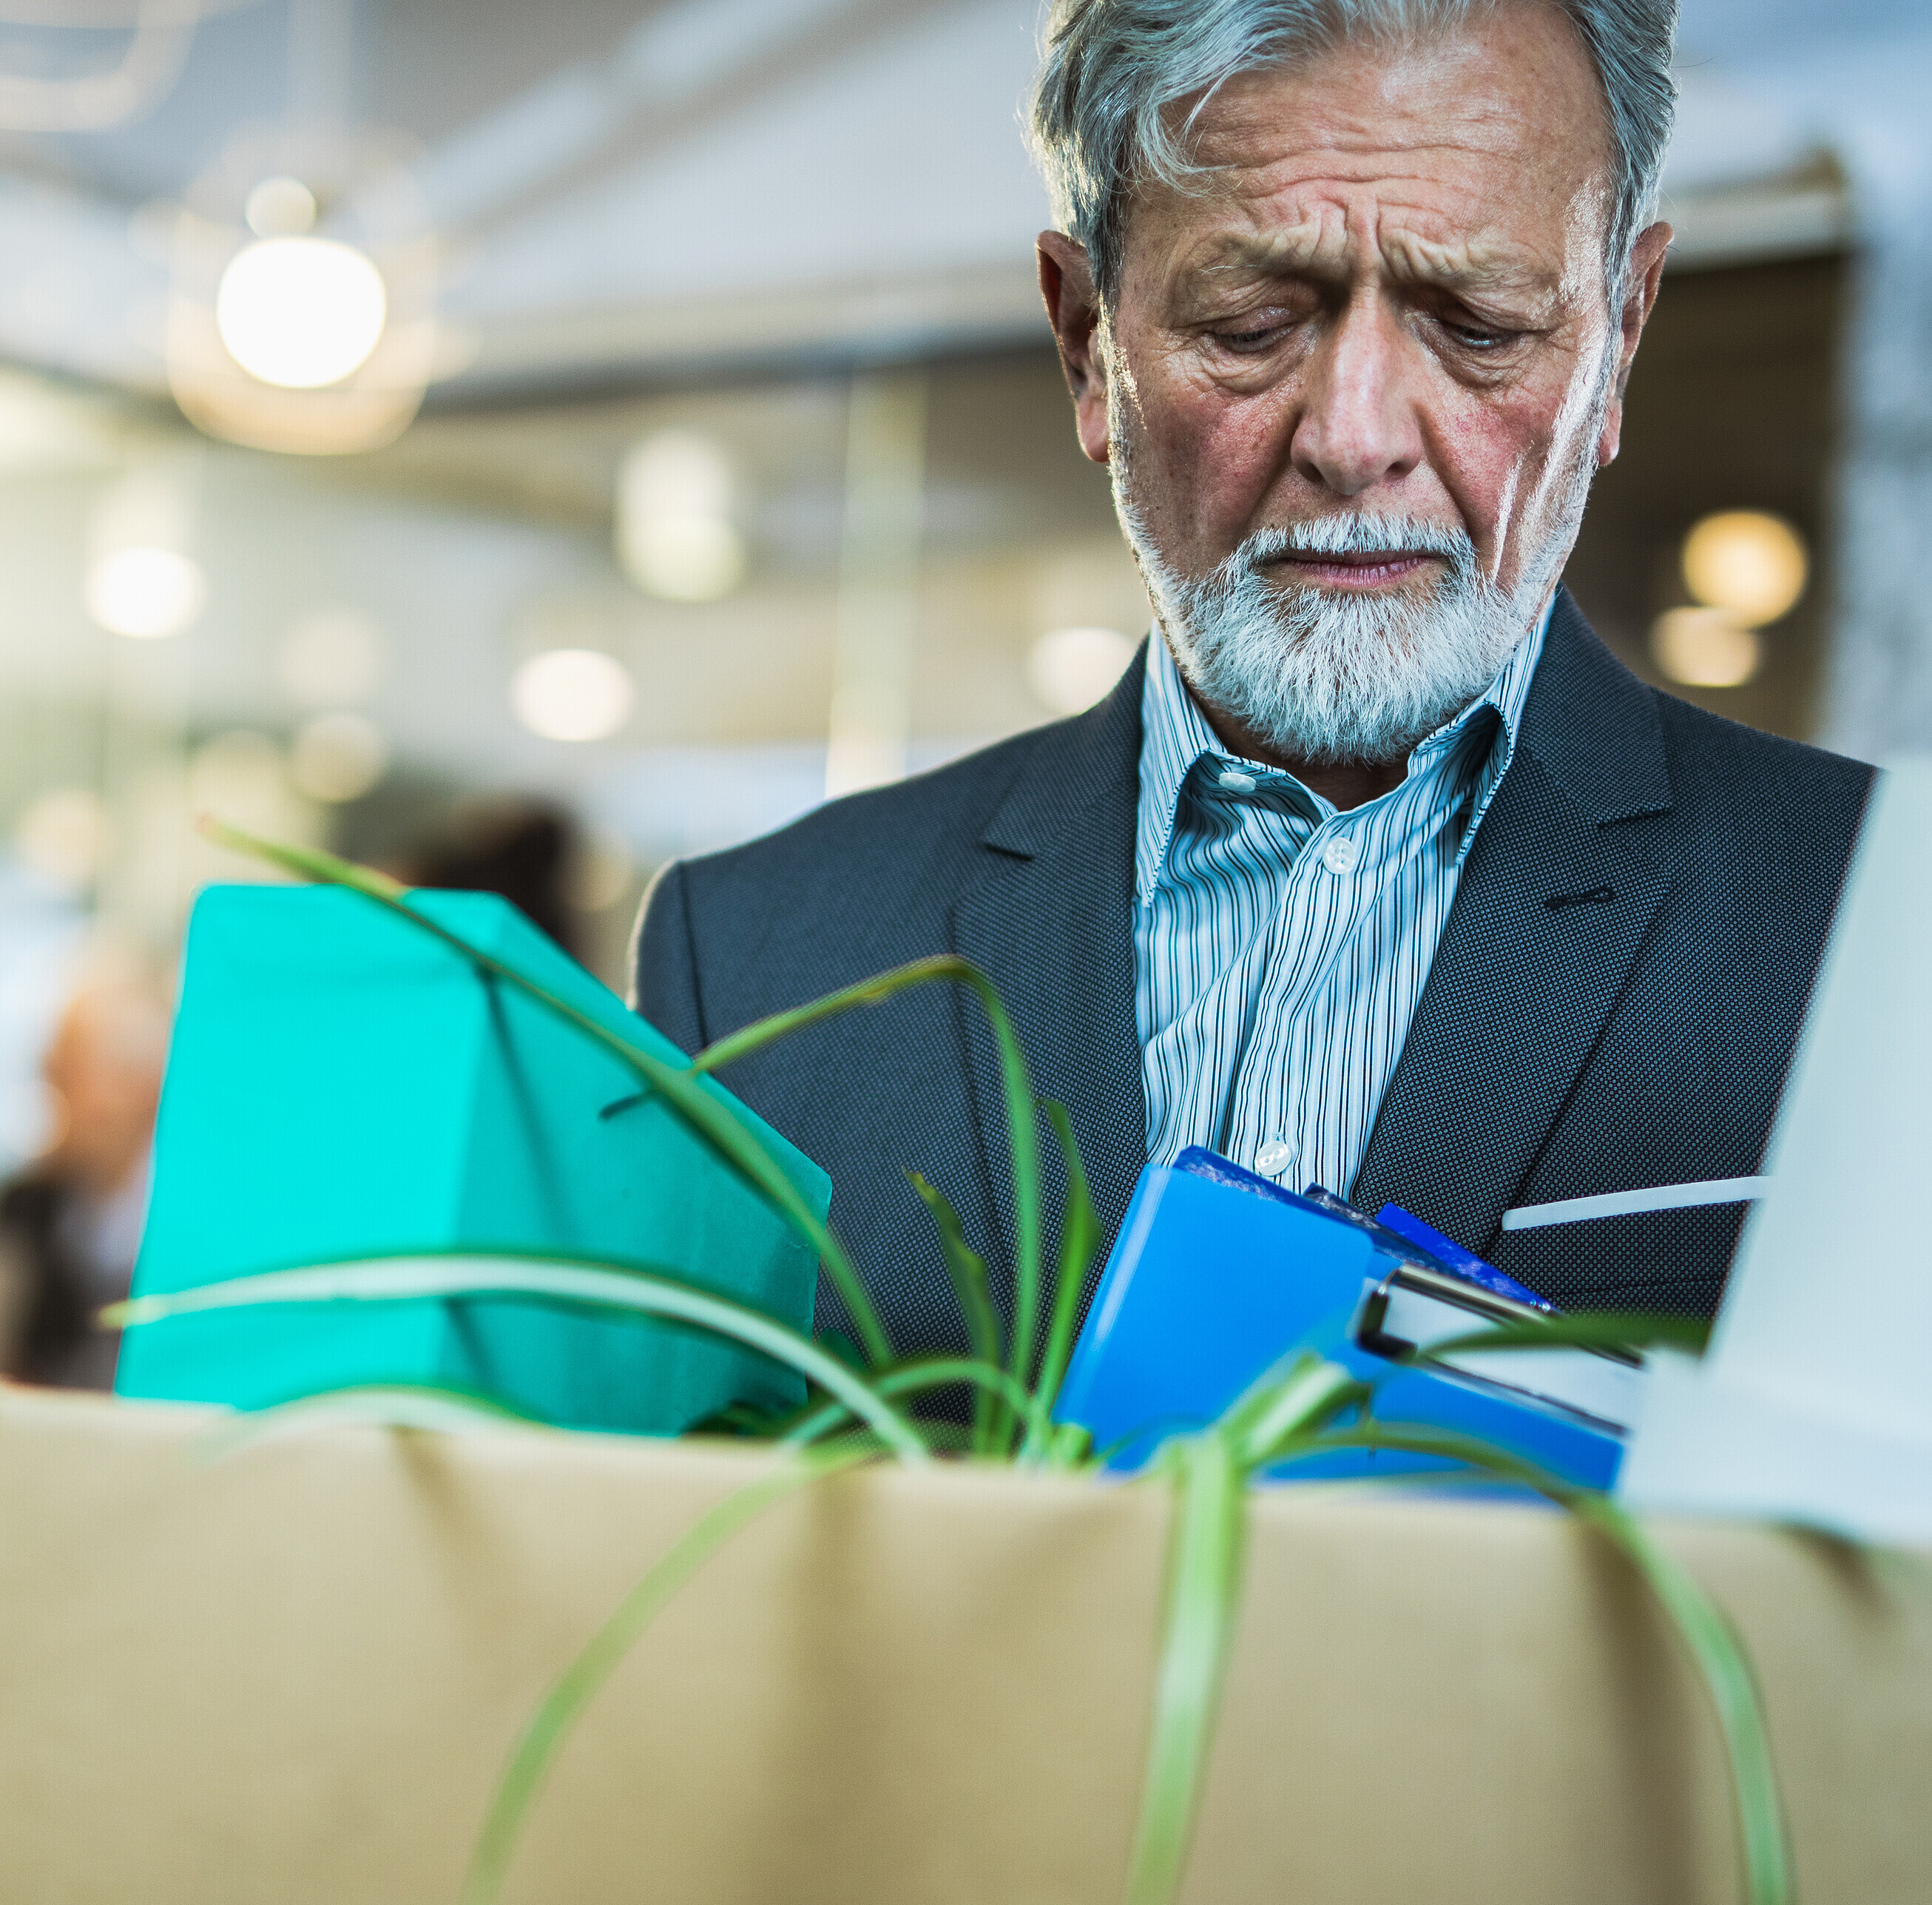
(342, 1085)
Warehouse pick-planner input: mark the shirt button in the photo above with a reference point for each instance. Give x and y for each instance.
(1339, 853)
(1235, 782)
(1272, 1159)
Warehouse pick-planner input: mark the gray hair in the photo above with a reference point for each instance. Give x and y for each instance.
(1112, 69)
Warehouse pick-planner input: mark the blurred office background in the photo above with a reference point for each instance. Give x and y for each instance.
(518, 445)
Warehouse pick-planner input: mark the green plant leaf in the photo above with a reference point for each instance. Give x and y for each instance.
(1211, 1470)
(679, 1087)
(1079, 1239)
(1204, 1580)
(875, 991)
(912, 1379)
(1715, 1648)
(967, 1270)
(548, 1729)
(547, 1277)
(1015, 1085)
(1288, 1401)
(1725, 1668)
(439, 1410)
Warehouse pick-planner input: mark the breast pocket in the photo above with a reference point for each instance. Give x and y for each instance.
(1671, 1261)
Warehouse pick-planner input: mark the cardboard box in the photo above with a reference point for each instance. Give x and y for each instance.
(342, 1084)
(291, 1677)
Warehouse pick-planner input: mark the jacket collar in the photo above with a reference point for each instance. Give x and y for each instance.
(1592, 726)
(1073, 764)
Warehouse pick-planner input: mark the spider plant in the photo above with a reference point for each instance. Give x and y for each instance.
(852, 1416)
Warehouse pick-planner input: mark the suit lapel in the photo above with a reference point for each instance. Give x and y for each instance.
(1049, 920)
(1572, 861)
(1557, 893)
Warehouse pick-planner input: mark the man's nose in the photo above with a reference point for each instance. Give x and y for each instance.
(1357, 427)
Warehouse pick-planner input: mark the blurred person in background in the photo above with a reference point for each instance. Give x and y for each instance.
(514, 844)
(70, 1224)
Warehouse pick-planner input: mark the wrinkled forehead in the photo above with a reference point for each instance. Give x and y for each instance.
(1484, 157)
(1404, 244)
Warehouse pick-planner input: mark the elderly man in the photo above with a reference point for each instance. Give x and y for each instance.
(1377, 871)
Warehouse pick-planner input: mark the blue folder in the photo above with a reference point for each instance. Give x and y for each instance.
(1218, 1274)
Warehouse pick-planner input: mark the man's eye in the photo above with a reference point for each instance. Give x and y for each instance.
(1257, 338)
(1478, 337)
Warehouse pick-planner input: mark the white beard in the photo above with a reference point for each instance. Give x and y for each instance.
(1331, 678)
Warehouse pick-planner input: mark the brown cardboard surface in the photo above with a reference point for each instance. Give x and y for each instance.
(293, 1675)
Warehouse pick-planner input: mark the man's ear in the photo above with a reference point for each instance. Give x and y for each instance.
(1641, 287)
(1073, 310)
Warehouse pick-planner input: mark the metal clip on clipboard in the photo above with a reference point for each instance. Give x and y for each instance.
(1413, 1307)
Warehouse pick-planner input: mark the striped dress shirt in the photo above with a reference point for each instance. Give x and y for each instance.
(1280, 945)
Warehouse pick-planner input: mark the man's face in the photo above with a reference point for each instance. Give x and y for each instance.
(1386, 299)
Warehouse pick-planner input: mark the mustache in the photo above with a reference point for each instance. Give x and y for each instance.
(1365, 533)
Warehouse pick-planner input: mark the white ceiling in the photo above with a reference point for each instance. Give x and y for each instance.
(620, 191)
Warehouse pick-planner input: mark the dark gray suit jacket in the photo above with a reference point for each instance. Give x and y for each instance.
(1613, 1004)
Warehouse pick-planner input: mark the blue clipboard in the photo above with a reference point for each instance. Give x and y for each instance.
(1217, 1274)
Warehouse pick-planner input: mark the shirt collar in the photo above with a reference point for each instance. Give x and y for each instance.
(1175, 736)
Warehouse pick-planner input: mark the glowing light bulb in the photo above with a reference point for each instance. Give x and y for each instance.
(572, 694)
(301, 312)
(675, 536)
(1744, 561)
(146, 593)
(1705, 647)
